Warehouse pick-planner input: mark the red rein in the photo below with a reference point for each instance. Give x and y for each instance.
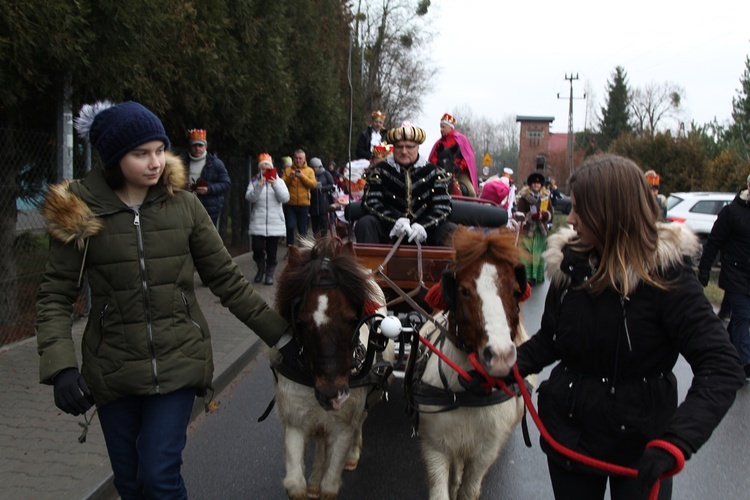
(573, 455)
(566, 452)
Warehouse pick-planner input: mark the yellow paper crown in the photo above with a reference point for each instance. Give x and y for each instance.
(265, 158)
(382, 150)
(378, 114)
(197, 135)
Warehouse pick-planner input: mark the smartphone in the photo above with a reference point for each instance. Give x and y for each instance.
(269, 174)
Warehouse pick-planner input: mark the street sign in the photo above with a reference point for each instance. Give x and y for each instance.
(487, 160)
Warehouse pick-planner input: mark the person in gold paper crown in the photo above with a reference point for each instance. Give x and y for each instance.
(654, 181)
(207, 175)
(405, 195)
(371, 136)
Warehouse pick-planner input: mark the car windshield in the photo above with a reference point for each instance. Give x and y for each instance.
(672, 201)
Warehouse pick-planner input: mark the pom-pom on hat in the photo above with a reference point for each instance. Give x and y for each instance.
(197, 136)
(406, 132)
(448, 120)
(286, 161)
(265, 158)
(116, 129)
(378, 114)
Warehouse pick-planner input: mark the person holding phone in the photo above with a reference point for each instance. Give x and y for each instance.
(300, 180)
(268, 193)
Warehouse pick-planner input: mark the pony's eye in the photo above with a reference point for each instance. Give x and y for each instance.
(465, 292)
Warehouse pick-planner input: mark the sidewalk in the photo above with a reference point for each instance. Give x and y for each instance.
(40, 457)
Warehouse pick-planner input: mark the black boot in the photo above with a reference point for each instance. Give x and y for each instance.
(261, 270)
(269, 275)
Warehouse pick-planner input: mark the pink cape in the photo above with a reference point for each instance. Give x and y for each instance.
(467, 152)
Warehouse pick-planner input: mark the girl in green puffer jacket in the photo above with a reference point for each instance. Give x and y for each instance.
(146, 348)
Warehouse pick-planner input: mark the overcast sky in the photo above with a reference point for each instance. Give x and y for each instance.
(503, 57)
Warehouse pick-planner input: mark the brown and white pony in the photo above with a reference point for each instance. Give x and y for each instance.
(324, 294)
(483, 317)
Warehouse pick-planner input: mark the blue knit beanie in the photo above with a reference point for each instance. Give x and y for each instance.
(116, 129)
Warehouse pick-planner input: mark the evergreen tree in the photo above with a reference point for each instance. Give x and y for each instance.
(615, 115)
(739, 132)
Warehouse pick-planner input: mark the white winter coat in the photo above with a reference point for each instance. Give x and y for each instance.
(267, 215)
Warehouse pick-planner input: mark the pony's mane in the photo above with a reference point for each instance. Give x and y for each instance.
(295, 282)
(472, 246)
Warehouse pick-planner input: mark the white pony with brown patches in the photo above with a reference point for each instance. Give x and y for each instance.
(324, 294)
(483, 318)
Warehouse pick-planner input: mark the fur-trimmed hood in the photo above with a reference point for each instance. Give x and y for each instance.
(72, 208)
(675, 242)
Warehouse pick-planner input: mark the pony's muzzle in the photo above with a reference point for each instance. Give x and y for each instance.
(498, 361)
(332, 399)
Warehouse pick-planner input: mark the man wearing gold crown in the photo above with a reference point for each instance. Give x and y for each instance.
(371, 136)
(654, 180)
(405, 195)
(207, 175)
(454, 153)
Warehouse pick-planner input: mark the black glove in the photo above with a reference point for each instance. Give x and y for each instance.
(72, 395)
(703, 277)
(291, 350)
(654, 462)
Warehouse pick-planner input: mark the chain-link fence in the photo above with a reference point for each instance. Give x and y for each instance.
(28, 167)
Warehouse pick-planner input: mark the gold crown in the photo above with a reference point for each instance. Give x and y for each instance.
(197, 135)
(378, 114)
(382, 150)
(448, 119)
(652, 177)
(265, 158)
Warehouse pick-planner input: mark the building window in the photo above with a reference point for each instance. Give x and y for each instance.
(535, 134)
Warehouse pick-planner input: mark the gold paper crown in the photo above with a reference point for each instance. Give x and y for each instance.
(448, 120)
(378, 114)
(382, 150)
(652, 178)
(265, 158)
(197, 135)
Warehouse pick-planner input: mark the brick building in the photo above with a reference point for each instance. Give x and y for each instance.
(540, 150)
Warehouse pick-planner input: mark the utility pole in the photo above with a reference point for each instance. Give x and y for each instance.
(571, 142)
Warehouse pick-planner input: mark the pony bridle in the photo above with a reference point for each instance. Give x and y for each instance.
(327, 282)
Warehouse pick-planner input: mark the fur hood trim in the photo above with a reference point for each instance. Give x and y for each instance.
(70, 219)
(675, 242)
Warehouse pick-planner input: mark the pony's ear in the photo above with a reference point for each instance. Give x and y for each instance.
(448, 287)
(520, 270)
(294, 257)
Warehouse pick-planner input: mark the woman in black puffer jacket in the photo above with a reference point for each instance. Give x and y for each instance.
(622, 306)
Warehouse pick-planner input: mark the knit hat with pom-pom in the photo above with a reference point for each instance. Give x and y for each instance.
(116, 129)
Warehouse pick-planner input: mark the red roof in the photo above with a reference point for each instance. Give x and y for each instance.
(558, 142)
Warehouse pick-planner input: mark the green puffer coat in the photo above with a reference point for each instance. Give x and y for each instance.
(146, 333)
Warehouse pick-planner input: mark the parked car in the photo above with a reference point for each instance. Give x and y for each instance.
(562, 204)
(697, 210)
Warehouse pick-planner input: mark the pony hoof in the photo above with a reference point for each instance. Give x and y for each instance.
(351, 464)
(313, 491)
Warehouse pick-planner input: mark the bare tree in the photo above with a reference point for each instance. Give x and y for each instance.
(655, 103)
(393, 36)
(498, 138)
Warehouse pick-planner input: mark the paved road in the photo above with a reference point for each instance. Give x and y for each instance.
(230, 455)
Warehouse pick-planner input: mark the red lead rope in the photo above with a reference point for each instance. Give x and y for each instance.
(573, 455)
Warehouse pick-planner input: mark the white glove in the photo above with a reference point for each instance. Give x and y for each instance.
(417, 232)
(401, 227)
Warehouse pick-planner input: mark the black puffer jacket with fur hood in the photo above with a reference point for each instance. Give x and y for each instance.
(614, 390)
(146, 333)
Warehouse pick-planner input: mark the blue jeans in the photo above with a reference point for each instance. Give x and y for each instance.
(296, 217)
(145, 436)
(739, 324)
